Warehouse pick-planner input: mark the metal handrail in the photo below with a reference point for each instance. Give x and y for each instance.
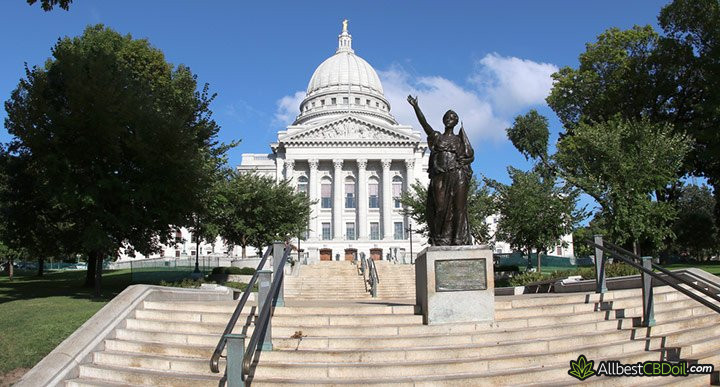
(666, 272)
(263, 318)
(215, 359)
(632, 262)
(373, 272)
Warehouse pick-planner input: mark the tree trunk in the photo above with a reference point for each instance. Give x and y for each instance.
(97, 257)
(98, 274)
(10, 269)
(636, 247)
(90, 273)
(41, 266)
(243, 252)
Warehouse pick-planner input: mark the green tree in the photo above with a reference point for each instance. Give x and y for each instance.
(48, 5)
(481, 205)
(534, 211)
(695, 227)
(255, 211)
(620, 164)
(690, 58)
(580, 234)
(115, 141)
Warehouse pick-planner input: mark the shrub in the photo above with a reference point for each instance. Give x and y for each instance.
(514, 268)
(184, 283)
(232, 270)
(239, 285)
(247, 271)
(527, 278)
(218, 270)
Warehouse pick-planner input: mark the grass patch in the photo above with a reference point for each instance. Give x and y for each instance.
(710, 267)
(37, 313)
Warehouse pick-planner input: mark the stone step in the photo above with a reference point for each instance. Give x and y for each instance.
(92, 382)
(154, 362)
(430, 366)
(140, 376)
(340, 309)
(194, 351)
(473, 378)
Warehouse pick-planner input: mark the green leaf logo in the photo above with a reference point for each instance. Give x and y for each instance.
(581, 369)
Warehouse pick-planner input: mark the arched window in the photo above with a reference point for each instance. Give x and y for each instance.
(302, 185)
(397, 190)
(326, 193)
(373, 193)
(349, 192)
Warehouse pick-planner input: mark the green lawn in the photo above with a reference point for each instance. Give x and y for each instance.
(37, 313)
(712, 268)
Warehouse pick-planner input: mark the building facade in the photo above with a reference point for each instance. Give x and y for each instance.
(350, 155)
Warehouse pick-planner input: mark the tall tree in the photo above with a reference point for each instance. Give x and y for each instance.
(697, 234)
(690, 53)
(115, 140)
(481, 205)
(621, 164)
(534, 211)
(255, 211)
(48, 5)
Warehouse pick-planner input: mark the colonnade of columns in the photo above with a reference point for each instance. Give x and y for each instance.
(338, 206)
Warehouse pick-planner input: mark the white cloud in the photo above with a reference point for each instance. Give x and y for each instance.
(511, 83)
(498, 89)
(288, 108)
(436, 95)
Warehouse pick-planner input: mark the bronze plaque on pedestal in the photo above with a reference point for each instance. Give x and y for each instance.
(454, 275)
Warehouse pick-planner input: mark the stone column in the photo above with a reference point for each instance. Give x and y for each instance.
(289, 171)
(362, 199)
(313, 185)
(337, 199)
(409, 174)
(387, 200)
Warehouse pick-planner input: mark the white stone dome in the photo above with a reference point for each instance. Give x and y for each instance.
(344, 83)
(345, 70)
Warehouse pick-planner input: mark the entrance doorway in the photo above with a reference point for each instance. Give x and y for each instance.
(376, 254)
(326, 254)
(350, 254)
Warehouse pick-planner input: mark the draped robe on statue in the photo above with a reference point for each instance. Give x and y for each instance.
(450, 175)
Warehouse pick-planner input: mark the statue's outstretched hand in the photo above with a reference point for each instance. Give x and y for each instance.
(413, 100)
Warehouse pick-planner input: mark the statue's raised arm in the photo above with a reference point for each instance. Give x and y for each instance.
(420, 116)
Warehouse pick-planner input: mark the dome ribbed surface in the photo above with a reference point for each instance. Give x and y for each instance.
(345, 70)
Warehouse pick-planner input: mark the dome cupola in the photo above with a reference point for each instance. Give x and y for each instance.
(344, 83)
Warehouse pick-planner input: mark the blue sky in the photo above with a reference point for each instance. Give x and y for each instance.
(487, 60)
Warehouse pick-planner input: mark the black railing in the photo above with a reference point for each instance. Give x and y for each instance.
(262, 323)
(646, 266)
(215, 359)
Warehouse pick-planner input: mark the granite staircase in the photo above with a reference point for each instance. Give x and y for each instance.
(381, 342)
(339, 280)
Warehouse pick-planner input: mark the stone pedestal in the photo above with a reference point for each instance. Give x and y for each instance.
(455, 284)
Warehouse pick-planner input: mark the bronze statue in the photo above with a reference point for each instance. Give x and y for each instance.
(450, 174)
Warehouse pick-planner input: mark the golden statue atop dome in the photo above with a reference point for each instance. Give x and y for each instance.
(345, 25)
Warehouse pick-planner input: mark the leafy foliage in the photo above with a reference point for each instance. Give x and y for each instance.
(48, 5)
(620, 164)
(529, 134)
(534, 212)
(256, 211)
(480, 206)
(111, 144)
(695, 227)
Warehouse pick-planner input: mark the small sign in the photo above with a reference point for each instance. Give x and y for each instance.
(454, 275)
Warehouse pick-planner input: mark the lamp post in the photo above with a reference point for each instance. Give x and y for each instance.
(196, 274)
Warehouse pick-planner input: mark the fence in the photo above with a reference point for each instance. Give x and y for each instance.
(549, 263)
(167, 269)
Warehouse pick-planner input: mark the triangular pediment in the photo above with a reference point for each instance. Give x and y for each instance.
(349, 129)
